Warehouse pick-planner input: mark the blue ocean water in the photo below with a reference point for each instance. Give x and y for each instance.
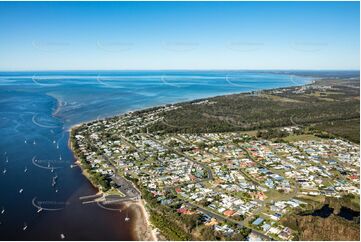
(38, 108)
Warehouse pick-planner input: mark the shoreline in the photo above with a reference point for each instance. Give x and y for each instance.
(148, 231)
(83, 171)
(311, 80)
(142, 229)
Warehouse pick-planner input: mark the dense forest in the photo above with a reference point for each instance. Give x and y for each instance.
(323, 105)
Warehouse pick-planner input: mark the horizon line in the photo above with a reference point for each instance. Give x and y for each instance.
(66, 70)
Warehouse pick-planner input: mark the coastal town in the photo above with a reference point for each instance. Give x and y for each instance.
(232, 181)
(180, 120)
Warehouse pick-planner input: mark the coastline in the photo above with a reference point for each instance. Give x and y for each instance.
(143, 229)
(78, 163)
(61, 103)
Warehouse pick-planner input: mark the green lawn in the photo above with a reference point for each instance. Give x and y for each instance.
(114, 191)
(302, 137)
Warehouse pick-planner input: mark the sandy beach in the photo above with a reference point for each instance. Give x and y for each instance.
(142, 228)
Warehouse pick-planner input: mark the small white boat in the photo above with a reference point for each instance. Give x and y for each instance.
(2, 210)
(21, 190)
(25, 227)
(34, 143)
(25, 142)
(56, 190)
(54, 142)
(57, 146)
(126, 219)
(52, 169)
(7, 159)
(39, 210)
(26, 169)
(62, 236)
(4, 171)
(60, 158)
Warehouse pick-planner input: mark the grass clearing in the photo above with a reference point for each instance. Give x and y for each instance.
(302, 137)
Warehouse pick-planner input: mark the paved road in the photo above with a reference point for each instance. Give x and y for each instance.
(124, 186)
(209, 171)
(223, 218)
(216, 215)
(210, 177)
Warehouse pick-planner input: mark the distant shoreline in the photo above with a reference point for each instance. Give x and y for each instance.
(312, 80)
(143, 220)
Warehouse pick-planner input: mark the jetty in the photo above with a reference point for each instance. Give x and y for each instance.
(91, 198)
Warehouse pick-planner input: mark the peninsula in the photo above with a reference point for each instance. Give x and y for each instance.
(244, 166)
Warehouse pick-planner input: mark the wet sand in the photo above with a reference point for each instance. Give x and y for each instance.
(142, 229)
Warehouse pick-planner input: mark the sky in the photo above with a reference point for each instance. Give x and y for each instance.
(179, 35)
